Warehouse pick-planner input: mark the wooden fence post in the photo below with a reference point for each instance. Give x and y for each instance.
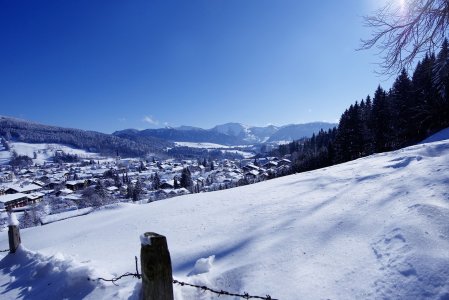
(13, 233)
(157, 279)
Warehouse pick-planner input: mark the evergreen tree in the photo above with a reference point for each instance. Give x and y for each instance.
(175, 183)
(423, 93)
(100, 190)
(156, 182)
(367, 128)
(380, 121)
(401, 114)
(130, 191)
(186, 179)
(440, 104)
(137, 191)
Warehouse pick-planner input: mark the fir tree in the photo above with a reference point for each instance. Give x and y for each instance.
(175, 183)
(137, 191)
(380, 121)
(100, 190)
(156, 182)
(186, 179)
(400, 111)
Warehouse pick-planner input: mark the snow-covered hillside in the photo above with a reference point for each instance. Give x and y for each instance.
(5, 155)
(374, 228)
(45, 152)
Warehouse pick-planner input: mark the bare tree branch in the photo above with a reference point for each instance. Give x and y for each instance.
(404, 33)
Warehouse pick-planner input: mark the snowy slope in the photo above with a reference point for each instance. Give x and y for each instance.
(374, 228)
(439, 136)
(45, 152)
(5, 155)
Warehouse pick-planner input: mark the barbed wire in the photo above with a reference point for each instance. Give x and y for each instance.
(201, 287)
(205, 288)
(127, 274)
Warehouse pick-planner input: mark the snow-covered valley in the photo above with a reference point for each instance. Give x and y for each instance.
(373, 228)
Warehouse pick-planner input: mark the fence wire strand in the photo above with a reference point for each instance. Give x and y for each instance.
(127, 274)
(221, 292)
(137, 275)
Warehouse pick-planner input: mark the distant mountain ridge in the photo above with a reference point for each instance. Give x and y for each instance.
(184, 134)
(133, 142)
(14, 129)
(229, 133)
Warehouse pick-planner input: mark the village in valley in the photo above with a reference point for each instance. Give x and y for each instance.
(68, 185)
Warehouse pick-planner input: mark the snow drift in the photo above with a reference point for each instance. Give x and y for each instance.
(374, 228)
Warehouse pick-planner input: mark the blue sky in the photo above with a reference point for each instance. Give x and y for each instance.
(109, 65)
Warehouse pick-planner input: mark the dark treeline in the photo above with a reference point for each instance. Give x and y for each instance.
(410, 111)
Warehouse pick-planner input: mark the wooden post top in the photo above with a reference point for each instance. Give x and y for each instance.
(151, 238)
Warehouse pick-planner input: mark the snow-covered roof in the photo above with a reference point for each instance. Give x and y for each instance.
(66, 191)
(253, 172)
(75, 182)
(12, 197)
(73, 197)
(34, 196)
(25, 188)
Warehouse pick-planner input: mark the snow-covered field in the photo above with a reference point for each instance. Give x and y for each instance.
(202, 145)
(5, 156)
(212, 146)
(374, 228)
(44, 152)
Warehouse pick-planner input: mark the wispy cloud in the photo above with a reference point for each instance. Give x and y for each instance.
(150, 120)
(122, 120)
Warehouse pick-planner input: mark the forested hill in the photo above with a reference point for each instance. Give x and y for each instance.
(13, 129)
(413, 108)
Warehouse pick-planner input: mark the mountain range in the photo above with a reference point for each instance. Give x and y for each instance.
(132, 142)
(229, 133)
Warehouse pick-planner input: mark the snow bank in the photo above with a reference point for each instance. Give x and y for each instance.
(31, 275)
(203, 265)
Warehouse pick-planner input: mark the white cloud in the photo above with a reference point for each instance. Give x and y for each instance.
(150, 120)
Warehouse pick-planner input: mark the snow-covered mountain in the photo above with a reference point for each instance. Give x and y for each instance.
(230, 133)
(297, 131)
(373, 228)
(247, 133)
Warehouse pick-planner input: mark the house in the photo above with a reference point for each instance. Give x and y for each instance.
(112, 189)
(75, 185)
(26, 189)
(64, 192)
(270, 164)
(39, 183)
(167, 185)
(252, 174)
(284, 162)
(250, 167)
(35, 197)
(11, 201)
(6, 176)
